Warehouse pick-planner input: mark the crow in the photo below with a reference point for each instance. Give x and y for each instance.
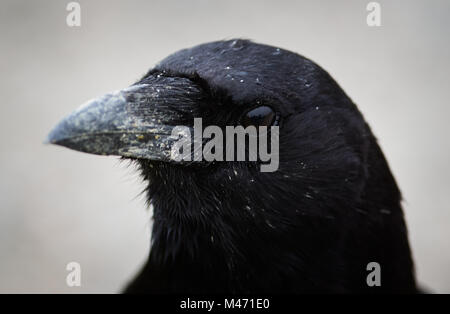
(312, 226)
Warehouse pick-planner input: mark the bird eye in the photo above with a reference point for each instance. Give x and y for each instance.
(260, 116)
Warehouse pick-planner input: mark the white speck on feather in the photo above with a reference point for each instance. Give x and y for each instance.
(277, 51)
(269, 224)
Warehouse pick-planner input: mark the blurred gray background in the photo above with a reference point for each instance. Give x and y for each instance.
(58, 206)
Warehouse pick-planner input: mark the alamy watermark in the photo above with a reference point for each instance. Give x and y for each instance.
(73, 278)
(191, 148)
(74, 17)
(374, 16)
(373, 279)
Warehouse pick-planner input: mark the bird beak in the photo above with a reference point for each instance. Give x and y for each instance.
(135, 122)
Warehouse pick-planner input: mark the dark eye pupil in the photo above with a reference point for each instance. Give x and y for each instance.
(259, 117)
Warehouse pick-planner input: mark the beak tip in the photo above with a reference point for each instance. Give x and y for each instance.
(52, 137)
(48, 140)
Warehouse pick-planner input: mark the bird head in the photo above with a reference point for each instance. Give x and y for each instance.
(323, 144)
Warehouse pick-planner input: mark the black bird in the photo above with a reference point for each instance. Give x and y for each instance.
(314, 225)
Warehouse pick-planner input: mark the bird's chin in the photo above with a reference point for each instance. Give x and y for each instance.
(183, 168)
